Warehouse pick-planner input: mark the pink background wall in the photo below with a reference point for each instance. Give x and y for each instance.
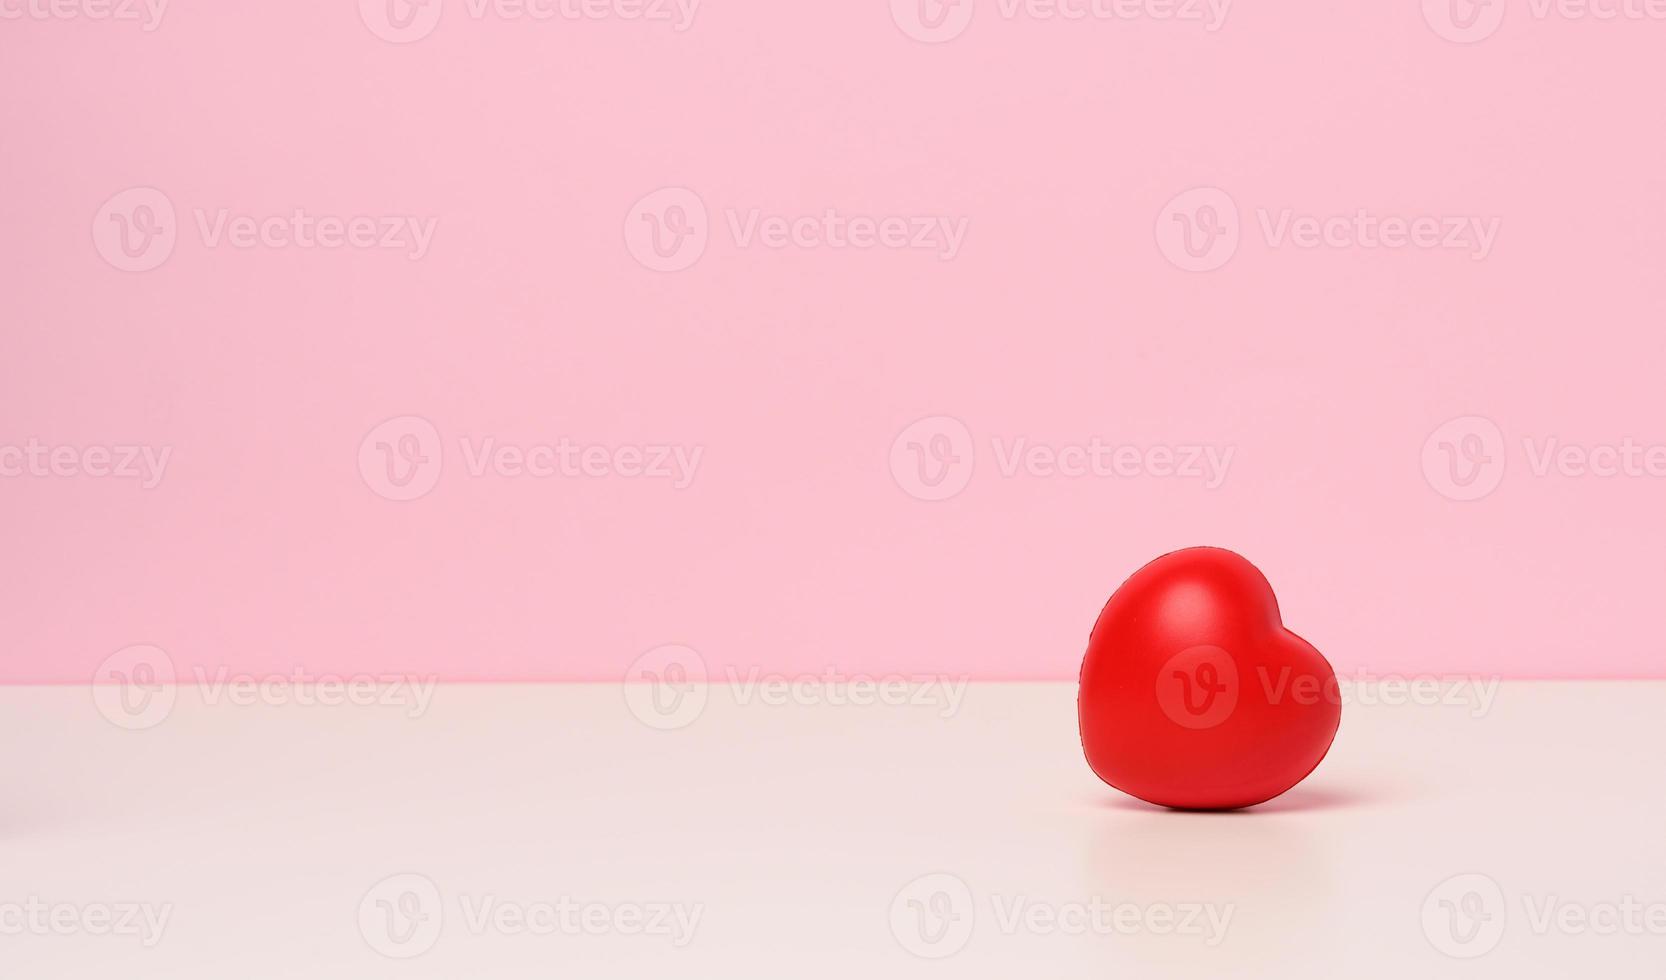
(1071, 310)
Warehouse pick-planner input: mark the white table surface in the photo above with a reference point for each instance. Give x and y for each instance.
(794, 832)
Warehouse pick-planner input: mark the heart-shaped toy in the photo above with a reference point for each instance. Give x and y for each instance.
(1194, 695)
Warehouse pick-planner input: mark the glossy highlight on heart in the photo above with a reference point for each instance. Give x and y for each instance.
(1195, 696)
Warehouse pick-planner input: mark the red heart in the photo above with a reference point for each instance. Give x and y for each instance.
(1194, 695)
